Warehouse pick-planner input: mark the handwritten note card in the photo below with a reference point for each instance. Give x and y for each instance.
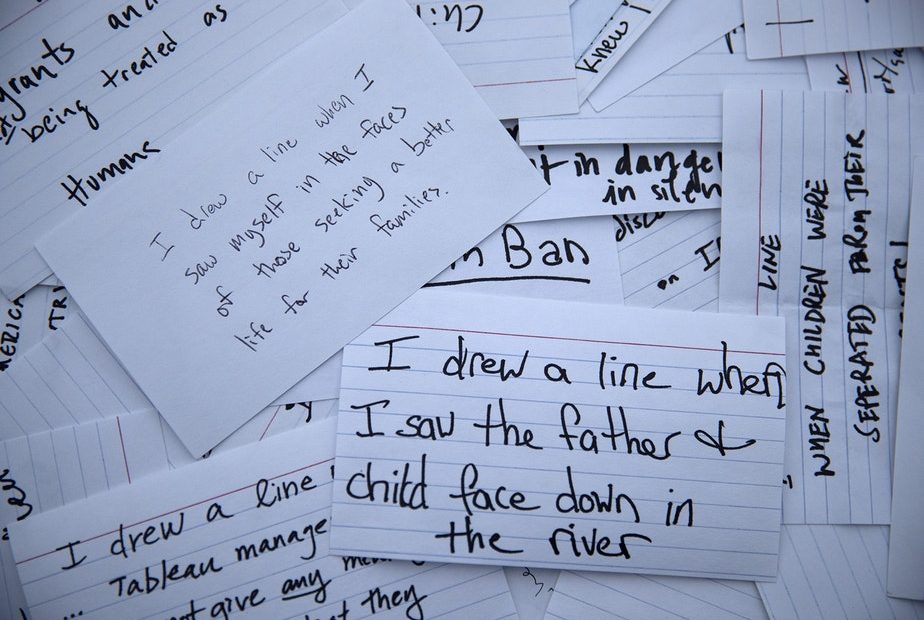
(877, 71)
(288, 236)
(43, 471)
(815, 228)
(626, 26)
(683, 104)
(906, 534)
(216, 539)
(24, 321)
(564, 259)
(562, 435)
(681, 30)
(516, 53)
(605, 179)
(799, 27)
(94, 92)
(830, 572)
(670, 260)
(595, 596)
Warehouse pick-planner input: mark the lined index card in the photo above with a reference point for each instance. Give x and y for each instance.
(219, 540)
(799, 27)
(103, 91)
(489, 430)
(353, 184)
(815, 228)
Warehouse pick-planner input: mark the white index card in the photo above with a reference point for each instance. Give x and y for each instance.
(103, 90)
(617, 36)
(595, 596)
(815, 228)
(834, 572)
(218, 539)
(516, 53)
(892, 71)
(682, 29)
(608, 179)
(572, 259)
(357, 184)
(800, 27)
(906, 534)
(670, 260)
(483, 429)
(683, 104)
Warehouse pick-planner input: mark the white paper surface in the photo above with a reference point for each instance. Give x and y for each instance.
(889, 71)
(531, 589)
(670, 260)
(341, 216)
(834, 571)
(68, 378)
(595, 596)
(906, 535)
(798, 27)
(681, 30)
(683, 104)
(516, 53)
(625, 27)
(218, 515)
(46, 470)
(735, 497)
(814, 228)
(572, 259)
(604, 179)
(27, 319)
(182, 68)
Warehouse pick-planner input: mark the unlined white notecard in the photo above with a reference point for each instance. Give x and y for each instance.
(219, 539)
(484, 429)
(109, 87)
(815, 228)
(906, 534)
(347, 186)
(799, 27)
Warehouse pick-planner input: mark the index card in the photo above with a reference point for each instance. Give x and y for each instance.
(219, 539)
(295, 217)
(878, 71)
(68, 378)
(516, 53)
(683, 104)
(606, 179)
(562, 435)
(906, 535)
(830, 572)
(815, 228)
(564, 259)
(670, 260)
(47, 470)
(624, 28)
(531, 589)
(799, 27)
(25, 320)
(682, 29)
(596, 596)
(95, 93)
